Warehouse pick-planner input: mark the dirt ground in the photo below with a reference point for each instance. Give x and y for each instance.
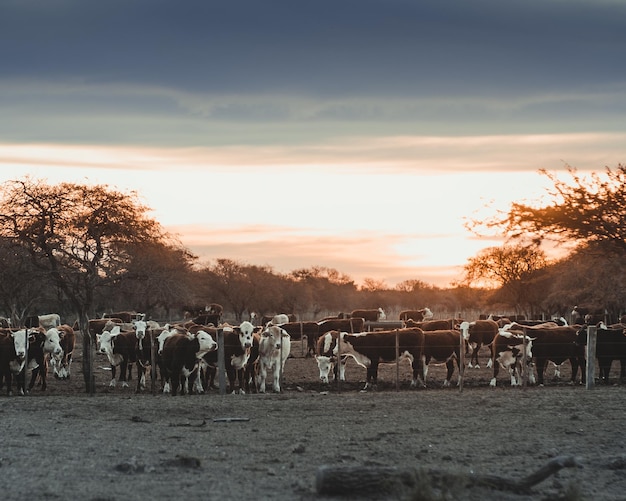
(118, 445)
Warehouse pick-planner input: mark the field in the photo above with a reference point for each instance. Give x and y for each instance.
(118, 445)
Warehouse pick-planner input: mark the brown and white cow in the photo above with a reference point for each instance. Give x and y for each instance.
(508, 350)
(274, 350)
(62, 365)
(44, 346)
(181, 357)
(369, 349)
(327, 360)
(416, 315)
(350, 325)
(476, 335)
(369, 315)
(13, 359)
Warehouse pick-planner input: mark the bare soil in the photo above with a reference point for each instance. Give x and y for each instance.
(119, 445)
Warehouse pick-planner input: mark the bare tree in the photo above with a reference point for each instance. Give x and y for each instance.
(79, 235)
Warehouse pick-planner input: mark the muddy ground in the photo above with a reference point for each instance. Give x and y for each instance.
(119, 445)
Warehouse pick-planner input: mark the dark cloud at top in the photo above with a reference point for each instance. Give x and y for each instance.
(320, 48)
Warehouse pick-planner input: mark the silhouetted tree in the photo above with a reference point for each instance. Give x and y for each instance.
(79, 235)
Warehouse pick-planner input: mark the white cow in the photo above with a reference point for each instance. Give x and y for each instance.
(49, 321)
(274, 349)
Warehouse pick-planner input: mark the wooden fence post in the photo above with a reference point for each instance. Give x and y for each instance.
(592, 334)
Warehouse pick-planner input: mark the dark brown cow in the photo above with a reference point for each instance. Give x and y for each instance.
(12, 359)
(432, 325)
(416, 315)
(297, 330)
(442, 346)
(610, 345)
(373, 315)
(180, 358)
(556, 344)
(477, 334)
(589, 315)
(369, 349)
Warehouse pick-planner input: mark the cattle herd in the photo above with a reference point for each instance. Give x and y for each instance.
(190, 354)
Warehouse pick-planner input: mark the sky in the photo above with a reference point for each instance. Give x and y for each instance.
(358, 135)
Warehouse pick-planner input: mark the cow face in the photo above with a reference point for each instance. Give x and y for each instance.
(106, 339)
(160, 339)
(140, 327)
(246, 330)
(381, 315)
(19, 343)
(52, 342)
(275, 335)
(206, 343)
(325, 365)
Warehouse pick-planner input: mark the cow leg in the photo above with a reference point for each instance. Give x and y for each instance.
(112, 383)
(449, 372)
(496, 369)
(175, 380)
(277, 378)
(540, 364)
(123, 369)
(262, 376)
(230, 372)
(241, 375)
(372, 376)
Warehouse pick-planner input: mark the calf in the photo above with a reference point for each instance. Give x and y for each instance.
(507, 350)
(326, 359)
(274, 349)
(369, 349)
(610, 345)
(43, 346)
(442, 346)
(181, 356)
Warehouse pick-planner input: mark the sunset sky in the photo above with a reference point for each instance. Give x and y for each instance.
(353, 134)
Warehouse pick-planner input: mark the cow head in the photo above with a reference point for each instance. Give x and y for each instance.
(246, 330)
(19, 343)
(52, 342)
(325, 365)
(160, 339)
(140, 327)
(105, 341)
(276, 335)
(381, 315)
(206, 343)
(427, 314)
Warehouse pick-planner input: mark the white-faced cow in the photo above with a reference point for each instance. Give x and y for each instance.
(12, 359)
(369, 349)
(327, 360)
(237, 345)
(476, 335)
(62, 365)
(274, 349)
(349, 325)
(181, 357)
(44, 346)
(507, 351)
(369, 315)
(416, 315)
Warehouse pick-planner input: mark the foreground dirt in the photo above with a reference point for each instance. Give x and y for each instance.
(118, 445)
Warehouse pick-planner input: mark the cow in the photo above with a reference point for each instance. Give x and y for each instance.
(277, 319)
(125, 316)
(237, 345)
(442, 346)
(326, 359)
(61, 366)
(588, 315)
(477, 334)
(374, 315)
(508, 349)
(349, 325)
(13, 359)
(431, 325)
(556, 344)
(208, 319)
(416, 315)
(44, 321)
(369, 349)
(274, 349)
(41, 348)
(297, 330)
(122, 349)
(610, 345)
(181, 356)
